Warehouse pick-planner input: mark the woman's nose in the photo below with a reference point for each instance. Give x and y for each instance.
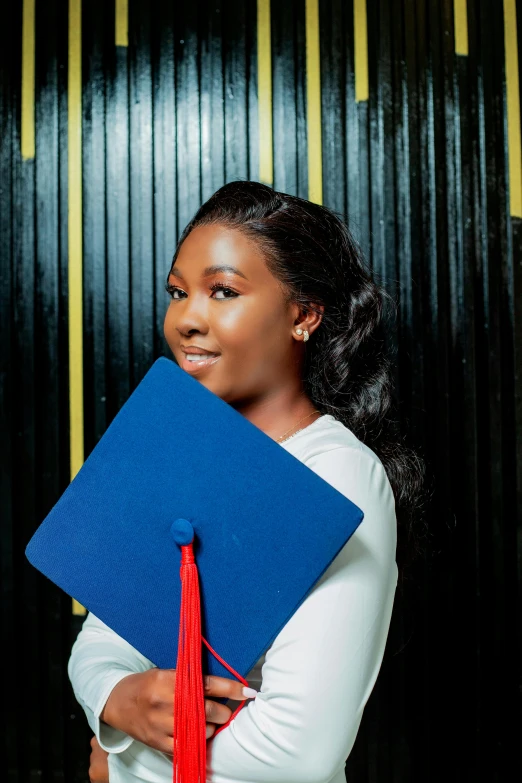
(192, 314)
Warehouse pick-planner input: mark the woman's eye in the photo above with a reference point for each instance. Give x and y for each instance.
(172, 289)
(218, 287)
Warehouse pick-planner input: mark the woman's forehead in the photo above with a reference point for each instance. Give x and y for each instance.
(210, 249)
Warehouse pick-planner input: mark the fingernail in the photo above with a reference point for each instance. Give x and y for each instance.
(249, 693)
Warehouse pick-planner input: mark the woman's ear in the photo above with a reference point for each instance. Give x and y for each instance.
(310, 317)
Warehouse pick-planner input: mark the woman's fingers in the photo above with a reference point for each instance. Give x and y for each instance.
(223, 687)
(98, 763)
(216, 712)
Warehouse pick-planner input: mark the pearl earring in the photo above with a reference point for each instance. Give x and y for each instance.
(300, 331)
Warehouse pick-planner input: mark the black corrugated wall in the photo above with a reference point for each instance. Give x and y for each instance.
(117, 121)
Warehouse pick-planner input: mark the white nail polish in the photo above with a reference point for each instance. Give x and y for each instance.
(250, 693)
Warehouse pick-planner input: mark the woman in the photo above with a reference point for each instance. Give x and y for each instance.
(272, 292)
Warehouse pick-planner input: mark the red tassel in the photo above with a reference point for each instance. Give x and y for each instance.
(190, 725)
(190, 742)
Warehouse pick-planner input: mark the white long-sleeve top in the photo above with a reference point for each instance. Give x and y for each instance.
(315, 678)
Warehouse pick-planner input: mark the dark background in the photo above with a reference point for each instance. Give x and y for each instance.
(420, 172)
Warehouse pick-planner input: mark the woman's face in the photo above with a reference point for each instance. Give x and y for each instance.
(239, 315)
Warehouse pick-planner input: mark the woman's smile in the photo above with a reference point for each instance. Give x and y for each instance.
(192, 364)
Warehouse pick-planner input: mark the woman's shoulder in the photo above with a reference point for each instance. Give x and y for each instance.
(327, 434)
(337, 455)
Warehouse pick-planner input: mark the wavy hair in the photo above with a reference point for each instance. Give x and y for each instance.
(347, 369)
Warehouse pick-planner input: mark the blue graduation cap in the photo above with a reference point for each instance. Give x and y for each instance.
(185, 525)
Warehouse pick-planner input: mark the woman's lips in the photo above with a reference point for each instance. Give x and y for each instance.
(195, 367)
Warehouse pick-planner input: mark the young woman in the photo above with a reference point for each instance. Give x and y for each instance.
(271, 292)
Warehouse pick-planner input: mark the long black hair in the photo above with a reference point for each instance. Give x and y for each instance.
(347, 369)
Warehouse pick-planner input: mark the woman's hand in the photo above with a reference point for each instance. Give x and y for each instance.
(99, 764)
(142, 705)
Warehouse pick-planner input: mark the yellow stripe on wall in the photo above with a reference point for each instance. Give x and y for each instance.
(121, 20)
(27, 130)
(513, 108)
(264, 92)
(360, 30)
(74, 137)
(313, 103)
(460, 17)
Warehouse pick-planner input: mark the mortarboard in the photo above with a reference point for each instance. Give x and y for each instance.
(187, 523)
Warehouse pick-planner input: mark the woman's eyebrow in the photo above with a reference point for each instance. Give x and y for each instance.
(212, 270)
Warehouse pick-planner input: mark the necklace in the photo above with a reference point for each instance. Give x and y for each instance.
(282, 437)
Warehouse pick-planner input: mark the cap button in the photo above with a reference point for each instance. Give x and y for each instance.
(182, 532)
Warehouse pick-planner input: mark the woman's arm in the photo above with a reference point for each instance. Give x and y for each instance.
(99, 660)
(320, 671)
